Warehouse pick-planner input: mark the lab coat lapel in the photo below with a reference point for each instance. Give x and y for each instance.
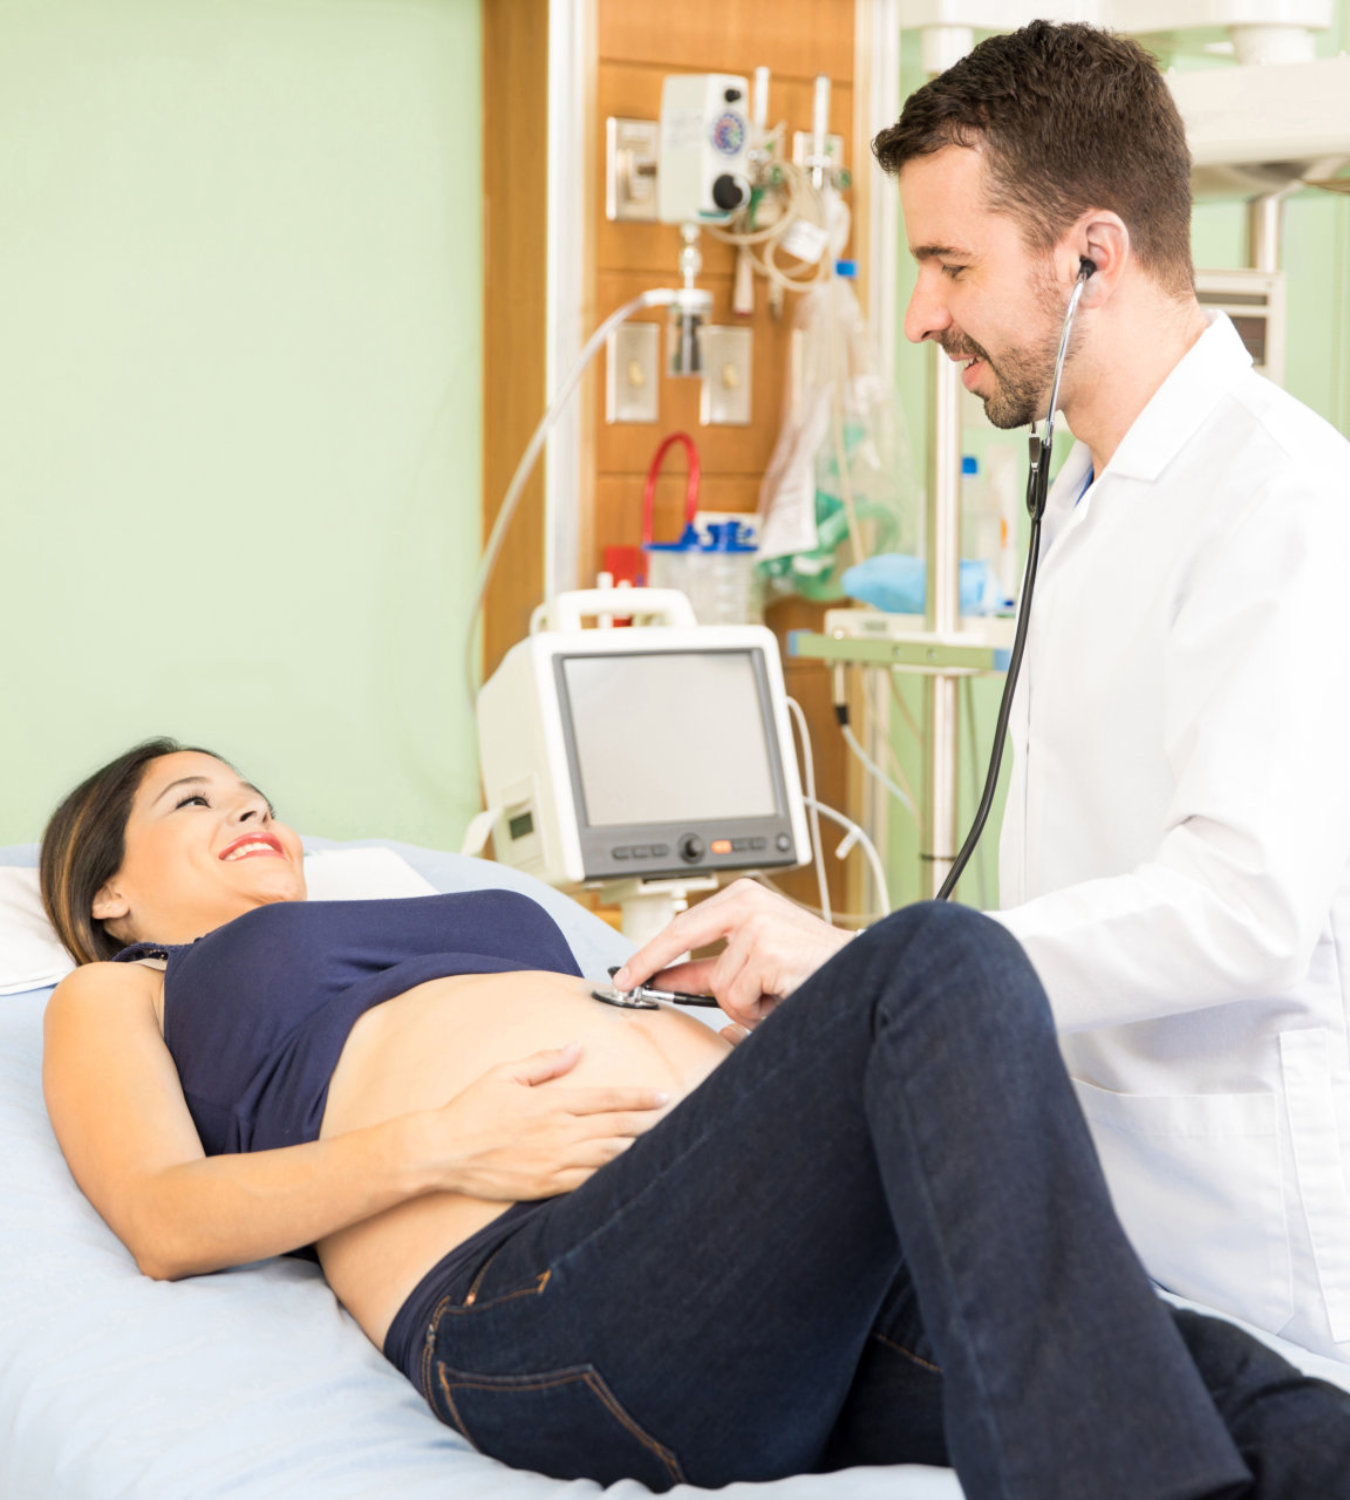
(1173, 415)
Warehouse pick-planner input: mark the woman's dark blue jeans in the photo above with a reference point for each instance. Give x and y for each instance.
(878, 1233)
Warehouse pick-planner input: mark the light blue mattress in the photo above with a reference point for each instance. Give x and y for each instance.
(252, 1383)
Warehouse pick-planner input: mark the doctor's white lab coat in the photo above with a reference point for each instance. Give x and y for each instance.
(1176, 846)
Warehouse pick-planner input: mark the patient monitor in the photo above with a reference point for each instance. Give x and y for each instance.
(660, 753)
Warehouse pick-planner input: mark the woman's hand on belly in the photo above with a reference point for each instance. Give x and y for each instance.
(518, 1132)
(520, 1123)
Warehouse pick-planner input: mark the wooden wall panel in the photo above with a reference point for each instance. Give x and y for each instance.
(618, 500)
(797, 37)
(637, 47)
(630, 258)
(515, 300)
(627, 448)
(633, 91)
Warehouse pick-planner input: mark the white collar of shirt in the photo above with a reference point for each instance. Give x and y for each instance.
(1198, 382)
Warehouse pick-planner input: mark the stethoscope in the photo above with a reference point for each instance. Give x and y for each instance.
(1038, 482)
(646, 996)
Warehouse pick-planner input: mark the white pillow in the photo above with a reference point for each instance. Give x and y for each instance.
(31, 955)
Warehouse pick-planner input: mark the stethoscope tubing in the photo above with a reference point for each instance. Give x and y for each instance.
(1038, 481)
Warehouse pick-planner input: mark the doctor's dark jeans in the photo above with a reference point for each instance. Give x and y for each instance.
(889, 1178)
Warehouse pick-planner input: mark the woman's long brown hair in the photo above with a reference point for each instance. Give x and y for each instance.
(84, 846)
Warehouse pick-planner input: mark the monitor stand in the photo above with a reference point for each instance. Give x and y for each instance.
(650, 905)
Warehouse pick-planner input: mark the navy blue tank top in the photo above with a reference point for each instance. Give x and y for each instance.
(256, 1013)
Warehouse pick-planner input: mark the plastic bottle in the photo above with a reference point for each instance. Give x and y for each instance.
(1004, 480)
(981, 542)
(715, 570)
(728, 586)
(672, 565)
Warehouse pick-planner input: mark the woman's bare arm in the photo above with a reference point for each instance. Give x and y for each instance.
(119, 1114)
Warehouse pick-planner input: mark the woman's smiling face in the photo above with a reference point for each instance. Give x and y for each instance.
(201, 848)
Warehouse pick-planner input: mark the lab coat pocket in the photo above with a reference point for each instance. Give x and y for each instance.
(1305, 1060)
(1197, 1183)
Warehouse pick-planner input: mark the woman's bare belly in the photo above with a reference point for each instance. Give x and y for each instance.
(422, 1048)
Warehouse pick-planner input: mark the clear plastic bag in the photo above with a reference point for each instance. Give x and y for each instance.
(839, 487)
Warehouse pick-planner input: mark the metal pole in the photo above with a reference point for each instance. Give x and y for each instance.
(1264, 224)
(876, 96)
(942, 546)
(942, 613)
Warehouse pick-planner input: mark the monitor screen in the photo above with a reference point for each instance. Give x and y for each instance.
(670, 737)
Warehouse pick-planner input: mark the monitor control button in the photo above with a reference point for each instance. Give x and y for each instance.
(759, 843)
(641, 851)
(784, 842)
(727, 193)
(621, 853)
(692, 848)
(660, 850)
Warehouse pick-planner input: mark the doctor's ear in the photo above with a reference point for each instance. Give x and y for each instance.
(1096, 252)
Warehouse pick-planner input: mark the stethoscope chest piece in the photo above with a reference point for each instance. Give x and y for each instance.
(647, 996)
(624, 999)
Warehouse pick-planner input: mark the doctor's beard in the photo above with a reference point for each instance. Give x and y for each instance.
(1023, 375)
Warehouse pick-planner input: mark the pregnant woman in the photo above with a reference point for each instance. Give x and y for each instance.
(607, 1243)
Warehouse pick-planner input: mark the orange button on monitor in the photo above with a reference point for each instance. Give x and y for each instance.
(720, 846)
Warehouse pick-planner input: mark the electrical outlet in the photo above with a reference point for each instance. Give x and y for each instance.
(632, 373)
(631, 151)
(728, 358)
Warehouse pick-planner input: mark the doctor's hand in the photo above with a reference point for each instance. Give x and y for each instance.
(772, 945)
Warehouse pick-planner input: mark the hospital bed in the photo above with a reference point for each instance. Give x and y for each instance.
(252, 1382)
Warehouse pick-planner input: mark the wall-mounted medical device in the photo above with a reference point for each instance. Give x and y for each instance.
(1254, 300)
(712, 163)
(703, 175)
(653, 753)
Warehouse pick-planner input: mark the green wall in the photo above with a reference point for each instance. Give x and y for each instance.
(240, 356)
(1316, 258)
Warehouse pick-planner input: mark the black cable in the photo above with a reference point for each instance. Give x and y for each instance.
(1037, 481)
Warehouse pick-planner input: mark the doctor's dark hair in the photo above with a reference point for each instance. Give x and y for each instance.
(1070, 118)
(84, 846)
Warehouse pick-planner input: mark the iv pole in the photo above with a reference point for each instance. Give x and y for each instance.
(942, 548)
(942, 606)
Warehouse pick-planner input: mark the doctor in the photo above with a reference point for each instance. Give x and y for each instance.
(1175, 854)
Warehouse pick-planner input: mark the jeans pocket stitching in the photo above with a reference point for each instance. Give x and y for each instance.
(456, 1421)
(666, 1457)
(429, 1345)
(471, 1296)
(586, 1374)
(471, 1303)
(446, 1307)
